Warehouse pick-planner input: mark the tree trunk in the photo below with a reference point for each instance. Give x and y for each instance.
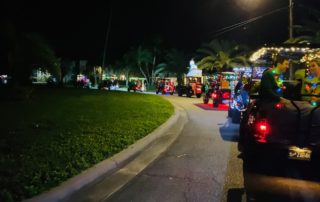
(143, 73)
(127, 78)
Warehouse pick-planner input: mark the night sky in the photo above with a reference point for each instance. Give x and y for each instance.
(78, 30)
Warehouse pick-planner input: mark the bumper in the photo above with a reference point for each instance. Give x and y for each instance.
(280, 152)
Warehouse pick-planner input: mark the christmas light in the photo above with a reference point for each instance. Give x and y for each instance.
(279, 90)
(314, 85)
(276, 50)
(313, 103)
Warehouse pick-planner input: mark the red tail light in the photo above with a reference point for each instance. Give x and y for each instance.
(214, 95)
(225, 95)
(279, 106)
(262, 129)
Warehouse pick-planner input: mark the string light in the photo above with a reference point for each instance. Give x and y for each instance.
(313, 103)
(308, 55)
(314, 85)
(279, 90)
(312, 53)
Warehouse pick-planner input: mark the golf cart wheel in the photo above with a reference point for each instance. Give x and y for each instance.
(215, 104)
(205, 100)
(230, 113)
(189, 94)
(235, 117)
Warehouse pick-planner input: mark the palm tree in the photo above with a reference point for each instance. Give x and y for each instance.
(221, 55)
(157, 50)
(25, 51)
(127, 64)
(177, 62)
(66, 67)
(143, 58)
(308, 31)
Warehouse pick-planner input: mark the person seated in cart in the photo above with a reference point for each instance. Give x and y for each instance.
(271, 82)
(310, 80)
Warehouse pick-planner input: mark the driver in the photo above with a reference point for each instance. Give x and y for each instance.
(271, 84)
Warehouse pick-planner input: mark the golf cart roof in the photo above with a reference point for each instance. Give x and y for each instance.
(265, 55)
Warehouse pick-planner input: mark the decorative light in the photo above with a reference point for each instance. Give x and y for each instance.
(281, 76)
(255, 56)
(311, 55)
(279, 105)
(276, 50)
(307, 87)
(314, 85)
(279, 90)
(313, 103)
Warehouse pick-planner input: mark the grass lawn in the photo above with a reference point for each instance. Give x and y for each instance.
(60, 132)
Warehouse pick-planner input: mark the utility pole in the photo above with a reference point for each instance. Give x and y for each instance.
(107, 37)
(291, 73)
(290, 19)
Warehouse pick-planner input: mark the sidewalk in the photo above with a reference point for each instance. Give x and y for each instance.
(108, 176)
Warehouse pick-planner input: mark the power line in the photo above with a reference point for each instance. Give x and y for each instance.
(240, 24)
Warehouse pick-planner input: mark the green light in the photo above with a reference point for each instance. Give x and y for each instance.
(273, 71)
(313, 103)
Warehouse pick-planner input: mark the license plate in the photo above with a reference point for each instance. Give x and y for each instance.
(297, 153)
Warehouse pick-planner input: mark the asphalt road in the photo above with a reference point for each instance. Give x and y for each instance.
(201, 165)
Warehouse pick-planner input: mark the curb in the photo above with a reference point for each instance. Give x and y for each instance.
(169, 130)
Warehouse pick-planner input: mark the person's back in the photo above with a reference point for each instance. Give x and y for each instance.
(268, 87)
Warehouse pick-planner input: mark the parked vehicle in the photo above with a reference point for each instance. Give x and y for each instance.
(210, 88)
(105, 85)
(165, 86)
(221, 96)
(135, 85)
(275, 138)
(275, 128)
(240, 98)
(219, 89)
(83, 81)
(193, 87)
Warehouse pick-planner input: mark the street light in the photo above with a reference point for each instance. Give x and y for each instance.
(240, 24)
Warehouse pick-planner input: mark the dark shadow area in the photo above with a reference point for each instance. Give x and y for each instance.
(282, 180)
(235, 195)
(229, 132)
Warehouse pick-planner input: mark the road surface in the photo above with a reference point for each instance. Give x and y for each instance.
(201, 165)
